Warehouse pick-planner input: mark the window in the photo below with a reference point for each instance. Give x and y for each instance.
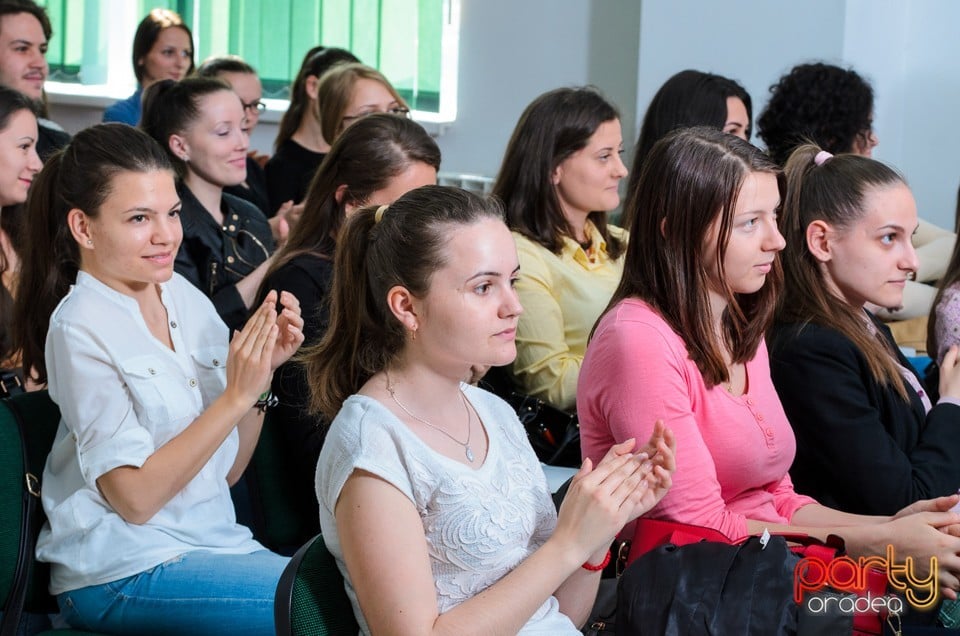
(412, 42)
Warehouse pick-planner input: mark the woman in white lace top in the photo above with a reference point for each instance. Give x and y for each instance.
(431, 499)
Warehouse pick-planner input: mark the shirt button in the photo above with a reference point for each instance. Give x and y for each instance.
(193, 382)
(173, 324)
(759, 417)
(152, 371)
(224, 228)
(229, 259)
(216, 362)
(768, 432)
(749, 402)
(234, 217)
(233, 228)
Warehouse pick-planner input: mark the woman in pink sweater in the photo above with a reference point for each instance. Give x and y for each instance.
(682, 341)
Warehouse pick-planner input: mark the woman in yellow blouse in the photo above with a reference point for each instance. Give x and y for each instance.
(559, 177)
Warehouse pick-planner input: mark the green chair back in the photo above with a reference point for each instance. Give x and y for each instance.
(41, 419)
(311, 600)
(281, 520)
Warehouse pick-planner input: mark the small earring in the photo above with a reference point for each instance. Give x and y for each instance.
(89, 241)
(413, 334)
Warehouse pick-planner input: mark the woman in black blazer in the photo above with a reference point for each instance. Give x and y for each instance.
(869, 439)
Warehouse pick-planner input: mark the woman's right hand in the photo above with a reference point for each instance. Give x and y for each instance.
(249, 369)
(920, 536)
(602, 499)
(950, 373)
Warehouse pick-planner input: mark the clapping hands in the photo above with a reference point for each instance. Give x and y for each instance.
(622, 486)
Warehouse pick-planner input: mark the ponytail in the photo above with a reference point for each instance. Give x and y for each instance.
(831, 189)
(360, 339)
(380, 248)
(48, 266)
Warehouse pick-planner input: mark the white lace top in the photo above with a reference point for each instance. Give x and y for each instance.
(479, 523)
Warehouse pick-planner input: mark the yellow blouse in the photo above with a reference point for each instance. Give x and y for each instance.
(562, 297)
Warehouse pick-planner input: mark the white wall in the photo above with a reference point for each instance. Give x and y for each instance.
(911, 53)
(511, 51)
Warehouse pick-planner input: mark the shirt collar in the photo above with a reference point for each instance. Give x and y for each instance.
(594, 255)
(92, 283)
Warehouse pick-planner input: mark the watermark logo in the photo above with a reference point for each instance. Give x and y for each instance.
(846, 575)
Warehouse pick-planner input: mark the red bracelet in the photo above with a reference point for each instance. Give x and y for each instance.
(596, 568)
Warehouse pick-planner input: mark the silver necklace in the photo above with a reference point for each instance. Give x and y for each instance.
(466, 445)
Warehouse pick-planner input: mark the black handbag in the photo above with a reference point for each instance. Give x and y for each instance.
(553, 434)
(10, 383)
(31, 518)
(710, 588)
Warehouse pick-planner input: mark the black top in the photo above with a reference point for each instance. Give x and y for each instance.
(215, 258)
(300, 435)
(289, 172)
(49, 140)
(860, 447)
(256, 189)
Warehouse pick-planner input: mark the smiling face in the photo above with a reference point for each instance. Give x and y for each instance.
(132, 242)
(23, 54)
(738, 121)
(170, 56)
(19, 162)
(588, 180)
(871, 260)
(469, 314)
(753, 242)
(215, 145)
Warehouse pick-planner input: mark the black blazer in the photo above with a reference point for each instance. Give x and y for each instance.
(860, 447)
(215, 258)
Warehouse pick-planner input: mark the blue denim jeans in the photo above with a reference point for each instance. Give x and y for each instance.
(195, 593)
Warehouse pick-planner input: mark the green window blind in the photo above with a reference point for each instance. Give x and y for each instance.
(401, 38)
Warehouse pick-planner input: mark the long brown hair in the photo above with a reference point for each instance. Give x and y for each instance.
(315, 63)
(553, 127)
(692, 178)
(404, 248)
(335, 90)
(363, 159)
(78, 176)
(833, 192)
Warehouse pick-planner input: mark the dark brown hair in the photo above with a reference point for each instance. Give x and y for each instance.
(214, 66)
(833, 192)
(149, 30)
(364, 159)
(315, 63)
(689, 98)
(405, 248)
(170, 107)
(554, 126)
(691, 179)
(78, 176)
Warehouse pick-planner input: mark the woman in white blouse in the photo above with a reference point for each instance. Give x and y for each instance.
(423, 290)
(157, 402)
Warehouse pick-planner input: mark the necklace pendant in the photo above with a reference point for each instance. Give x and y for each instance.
(469, 453)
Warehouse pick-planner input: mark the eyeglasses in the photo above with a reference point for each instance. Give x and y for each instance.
(399, 111)
(257, 106)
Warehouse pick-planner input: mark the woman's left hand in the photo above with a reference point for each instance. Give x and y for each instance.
(940, 504)
(661, 449)
(290, 322)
